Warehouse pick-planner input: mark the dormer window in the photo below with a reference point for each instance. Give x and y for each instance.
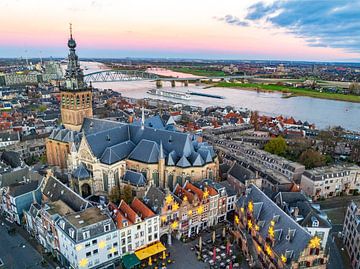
(72, 232)
(315, 223)
(86, 234)
(107, 227)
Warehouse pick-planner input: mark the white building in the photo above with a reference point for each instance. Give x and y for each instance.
(88, 239)
(137, 225)
(329, 181)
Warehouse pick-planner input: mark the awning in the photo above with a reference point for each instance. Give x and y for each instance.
(130, 261)
(149, 251)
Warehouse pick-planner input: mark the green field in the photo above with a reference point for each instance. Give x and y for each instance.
(198, 71)
(292, 90)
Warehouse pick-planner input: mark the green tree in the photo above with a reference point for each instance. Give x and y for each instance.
(276, 146)
(312, 158)
(114, 195)
(127, 194)
(42, 108)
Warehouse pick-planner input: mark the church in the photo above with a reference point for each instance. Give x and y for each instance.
(101, 154)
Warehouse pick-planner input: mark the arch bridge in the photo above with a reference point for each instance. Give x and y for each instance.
(119, 75)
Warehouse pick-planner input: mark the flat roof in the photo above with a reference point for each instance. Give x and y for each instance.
(87, 217)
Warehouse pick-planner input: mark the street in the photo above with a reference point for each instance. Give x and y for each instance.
(17, 253)
(185, 258)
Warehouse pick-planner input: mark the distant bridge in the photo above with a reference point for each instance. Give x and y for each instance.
(119, 75)
(136, 75)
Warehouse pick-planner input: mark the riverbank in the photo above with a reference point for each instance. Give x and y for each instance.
(199, 72)
(293, 92)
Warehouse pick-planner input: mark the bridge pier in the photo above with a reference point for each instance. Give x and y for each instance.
(159, 83)
(173, 83)
(186, 83)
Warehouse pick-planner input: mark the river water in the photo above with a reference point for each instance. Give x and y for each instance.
(322, 112)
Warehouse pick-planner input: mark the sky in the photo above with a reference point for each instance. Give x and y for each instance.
(321, 30)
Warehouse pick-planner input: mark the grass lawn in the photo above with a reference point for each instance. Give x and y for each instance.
(292, 90)
(199, 72)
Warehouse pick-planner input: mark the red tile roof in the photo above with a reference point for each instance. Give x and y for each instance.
(127, 211)
(141, 209)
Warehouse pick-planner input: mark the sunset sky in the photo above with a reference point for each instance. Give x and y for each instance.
(324, 30)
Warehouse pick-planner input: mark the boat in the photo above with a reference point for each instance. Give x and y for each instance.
(170, 94)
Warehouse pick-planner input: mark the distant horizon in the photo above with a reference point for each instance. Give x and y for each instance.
(21, 58)
(302, 30)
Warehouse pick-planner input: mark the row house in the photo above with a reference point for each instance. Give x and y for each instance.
(58, 200)
(167, 206)
(195, 212)
(137, 225)
(18, 197)
(329, 181)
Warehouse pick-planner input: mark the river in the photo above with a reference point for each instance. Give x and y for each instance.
(322, 112)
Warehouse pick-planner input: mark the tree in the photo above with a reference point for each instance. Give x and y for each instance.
(355, 153)
(115, 194)
(276, 146)
(127, 194)
(354, 88)
(312, 158)
(327, 141)
(42, 108)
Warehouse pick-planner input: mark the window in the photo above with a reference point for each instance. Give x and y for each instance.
(87, 244)
(88, 254)
(109, 256)
(116, 253)
(94, 242)
(150, 237)
(115, 244)
(107, 227)
(96, 251)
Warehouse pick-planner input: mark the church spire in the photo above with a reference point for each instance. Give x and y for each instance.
(74, 75)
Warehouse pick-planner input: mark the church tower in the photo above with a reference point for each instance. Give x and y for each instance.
(76, 97)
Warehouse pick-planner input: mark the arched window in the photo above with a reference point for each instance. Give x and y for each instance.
(106, 181)
(170, 181)
(155, 177)
(179, 180)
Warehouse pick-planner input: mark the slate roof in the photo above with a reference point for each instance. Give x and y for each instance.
(81, 172)
(54, 190)
(241, 173)
(146, 152)
(155, 198)
(134, 178)
(65, 135)
(91, 125)
(110, 142)
(229, 188)
(117, 152)
(288, 201)
(22, 188)
(18, 175)
(12, 158)
(265, 210)
(153, 122)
